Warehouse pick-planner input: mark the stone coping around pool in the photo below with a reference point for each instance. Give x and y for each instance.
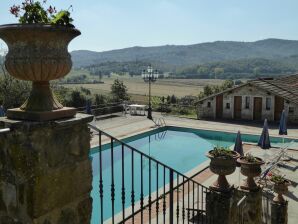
(231, 132)
(106, 140)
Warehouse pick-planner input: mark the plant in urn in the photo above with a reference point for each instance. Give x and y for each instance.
(37, 52)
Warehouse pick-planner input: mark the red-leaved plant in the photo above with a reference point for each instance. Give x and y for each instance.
(31, 11)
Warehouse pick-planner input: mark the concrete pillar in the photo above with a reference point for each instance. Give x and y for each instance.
(279, 213)
(46, 174)
(218, 207)
(252, 206)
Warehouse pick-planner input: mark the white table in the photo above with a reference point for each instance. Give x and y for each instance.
(134, 108)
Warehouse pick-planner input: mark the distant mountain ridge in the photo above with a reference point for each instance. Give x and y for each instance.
(188, 55)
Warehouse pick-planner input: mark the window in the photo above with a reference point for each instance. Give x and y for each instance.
(291, 110)
(247, 101)
(209, 104)
(268, 103)
(228, 105)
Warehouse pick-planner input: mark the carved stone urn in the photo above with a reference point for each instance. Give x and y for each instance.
(280, 189)
(38, 53)
(250, 170)
(222, 166)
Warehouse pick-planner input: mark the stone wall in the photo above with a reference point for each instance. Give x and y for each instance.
(292, 112)
(252, 206)
(205, 111)
(232, 208)
(46, 174)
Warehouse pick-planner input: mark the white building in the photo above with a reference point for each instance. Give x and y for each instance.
(255, 100)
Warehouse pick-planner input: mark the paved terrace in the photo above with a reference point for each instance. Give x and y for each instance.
(125, 126)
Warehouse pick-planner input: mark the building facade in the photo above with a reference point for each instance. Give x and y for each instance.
(255, 100)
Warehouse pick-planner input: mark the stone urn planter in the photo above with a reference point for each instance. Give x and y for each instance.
(38, 53)
(280, 187)
(250, 167)
(222, 163)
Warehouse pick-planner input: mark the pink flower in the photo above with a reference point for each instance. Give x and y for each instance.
(51, 10)
(15, 9)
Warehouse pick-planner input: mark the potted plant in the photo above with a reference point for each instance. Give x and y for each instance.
(250, 167)
(37, 52)
(223, 162)
(280, 187)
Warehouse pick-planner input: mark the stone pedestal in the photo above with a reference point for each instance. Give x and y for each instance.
(218, 207)
(46, 174)
(279, 213)
(251, 209)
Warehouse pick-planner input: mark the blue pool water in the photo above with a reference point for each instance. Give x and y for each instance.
(180, 148)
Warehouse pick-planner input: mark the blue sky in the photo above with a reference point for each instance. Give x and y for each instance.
(115, 24)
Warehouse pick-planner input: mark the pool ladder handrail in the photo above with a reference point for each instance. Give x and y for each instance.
(159, 122)
(4, 130)
(160, 135)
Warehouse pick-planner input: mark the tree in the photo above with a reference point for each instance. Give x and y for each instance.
(168, 99)
(207, 90)
(119, 91)
(227, 84)
(86, 91)
(173, 99)
(99, 99)
(218, 72)
(203, 71)
(77, 99)
(238, 82)
(13, 92)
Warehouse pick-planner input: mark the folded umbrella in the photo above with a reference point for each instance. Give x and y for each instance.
(283, 124)
(238, 147)
(264, 141)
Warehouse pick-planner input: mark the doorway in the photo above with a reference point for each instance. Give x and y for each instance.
(237, 107)
(257, 115)
(278, 107)
(219, 106)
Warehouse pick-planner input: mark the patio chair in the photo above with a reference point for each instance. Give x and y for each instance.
(271, 165)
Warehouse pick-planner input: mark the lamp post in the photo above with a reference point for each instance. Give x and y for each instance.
(150, 76)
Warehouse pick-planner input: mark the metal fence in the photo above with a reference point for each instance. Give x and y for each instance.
(136, 188)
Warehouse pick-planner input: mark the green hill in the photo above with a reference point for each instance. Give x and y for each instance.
(177, 56)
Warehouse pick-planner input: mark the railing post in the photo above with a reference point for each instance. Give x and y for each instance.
(171, 203)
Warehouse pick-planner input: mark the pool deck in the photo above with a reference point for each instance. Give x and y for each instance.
(126, 126)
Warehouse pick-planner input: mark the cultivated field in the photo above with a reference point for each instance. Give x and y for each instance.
(163, 87)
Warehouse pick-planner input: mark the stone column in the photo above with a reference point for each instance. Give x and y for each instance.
(252, 207)
(279, 213)
(218, 207)
(46, 174)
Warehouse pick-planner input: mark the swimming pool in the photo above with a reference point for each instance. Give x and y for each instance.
(183, 149)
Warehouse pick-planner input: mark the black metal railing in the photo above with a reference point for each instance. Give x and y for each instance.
(136, 188)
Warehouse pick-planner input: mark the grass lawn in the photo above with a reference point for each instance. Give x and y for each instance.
(138, 89)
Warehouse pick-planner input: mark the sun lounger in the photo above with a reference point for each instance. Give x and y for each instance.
(271, 164)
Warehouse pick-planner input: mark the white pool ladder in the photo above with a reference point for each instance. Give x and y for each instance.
(159, 122)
